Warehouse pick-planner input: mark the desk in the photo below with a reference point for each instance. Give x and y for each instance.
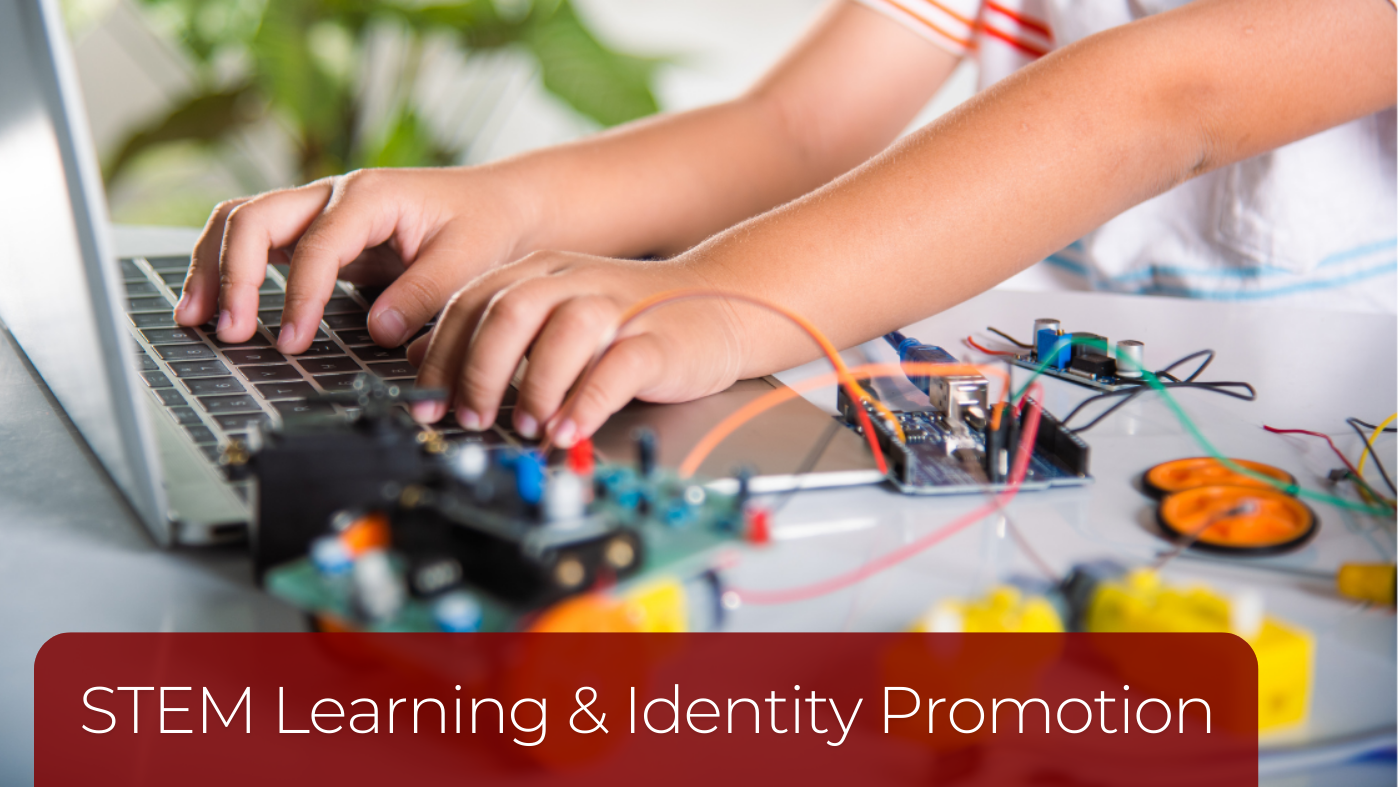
(74, 558)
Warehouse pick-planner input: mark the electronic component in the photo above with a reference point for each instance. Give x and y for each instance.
(1083, 358)
(1107, 597)
(461, 537)
(1371, 582)
(957, 397)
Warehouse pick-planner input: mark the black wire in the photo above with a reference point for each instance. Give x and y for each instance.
(1374, 455)
(812, 457)
(1372, 427)
(1009, 338)
(1247, 395)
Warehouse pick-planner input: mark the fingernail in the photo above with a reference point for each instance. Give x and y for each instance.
(525, 424)
(564, 433)
(183, 304)
(429, 412)
(225, 321)
(392, 325)
(286, 337)
(469, 419)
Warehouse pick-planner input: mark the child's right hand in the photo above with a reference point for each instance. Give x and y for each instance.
(438, 228)
(558, 309)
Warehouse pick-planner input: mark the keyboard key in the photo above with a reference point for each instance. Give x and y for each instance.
(338, 322)
(157, 379)
(343, 306)
(257, 340)
(289, 390)
(177, 289)
(130, 271)
(336, 382)
(155, 304)
(282, 268)
(299, 407)
(353, 337)
(201, 434)
(271, 301)
(246, 357)
(164, 319)
(141, 288)
(200, 386)
(220, 405)
(393, 369)
(185, 415)
(276, 330)
(211, 452)
(329, 365)
(167, 264)
(200, 369)
(263, 374)
(170, 397)
(241, 422)
(270, 284)
(170, 335)
(173, 279)
(270, 317)
(318, 349)
(147, 364)
(375, 353)
(185, 352)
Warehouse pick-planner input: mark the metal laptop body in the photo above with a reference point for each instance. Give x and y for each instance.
(155, 401)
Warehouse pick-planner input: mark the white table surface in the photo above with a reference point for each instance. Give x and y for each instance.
(74, 558)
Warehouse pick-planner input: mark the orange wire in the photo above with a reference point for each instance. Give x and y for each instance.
(767, 401)
(971, 341)
(852, 387)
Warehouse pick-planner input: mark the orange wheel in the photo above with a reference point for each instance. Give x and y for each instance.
(1237, 519)
(1181, 474)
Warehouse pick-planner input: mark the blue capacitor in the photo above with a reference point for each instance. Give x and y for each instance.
(1045, 343)
(529, 477)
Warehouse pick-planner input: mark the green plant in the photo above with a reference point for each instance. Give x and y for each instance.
(298, 60)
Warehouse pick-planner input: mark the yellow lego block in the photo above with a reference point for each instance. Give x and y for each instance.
(659, 606)
(1140, 602)
(1003, 609)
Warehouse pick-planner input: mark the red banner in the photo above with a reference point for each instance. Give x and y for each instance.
(583, 709)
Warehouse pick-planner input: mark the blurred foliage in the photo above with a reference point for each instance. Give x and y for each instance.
(300, 60)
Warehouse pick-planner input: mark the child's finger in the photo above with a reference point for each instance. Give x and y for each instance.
(418, 294)
(630, 366)
(252, 232)
(564, 348)
(446, 351)
(507, 327)
(200, 293)
(361, 213)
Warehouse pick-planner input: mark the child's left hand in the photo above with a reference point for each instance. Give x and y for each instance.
(557, 308)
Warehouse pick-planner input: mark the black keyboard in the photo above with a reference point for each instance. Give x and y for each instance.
(218, 391)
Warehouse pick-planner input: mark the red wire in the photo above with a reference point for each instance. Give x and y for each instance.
(841, 581)
(985, 350)
(1324, 437)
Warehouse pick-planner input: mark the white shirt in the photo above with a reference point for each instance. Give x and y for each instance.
(1313, 223)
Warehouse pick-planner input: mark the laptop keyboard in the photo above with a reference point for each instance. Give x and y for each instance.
(218, 391)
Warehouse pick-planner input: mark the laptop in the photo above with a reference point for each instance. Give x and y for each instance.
(156, 402)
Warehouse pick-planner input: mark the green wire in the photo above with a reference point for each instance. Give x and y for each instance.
(1193, 430)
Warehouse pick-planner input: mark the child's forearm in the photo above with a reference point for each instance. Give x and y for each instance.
(663, 184)
(1045, 156)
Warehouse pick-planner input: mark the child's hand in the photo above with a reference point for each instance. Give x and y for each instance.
(439, 228)
(558, 308)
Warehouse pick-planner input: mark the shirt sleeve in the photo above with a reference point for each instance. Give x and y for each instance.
(950, 24)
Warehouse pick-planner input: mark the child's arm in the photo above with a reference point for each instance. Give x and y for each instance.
(656, 186)
(1013, 175)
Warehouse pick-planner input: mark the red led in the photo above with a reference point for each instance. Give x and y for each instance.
(580, 457)
(759, 530)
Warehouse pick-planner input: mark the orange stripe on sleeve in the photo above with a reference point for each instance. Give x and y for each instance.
(964, 43)
(1023, 46)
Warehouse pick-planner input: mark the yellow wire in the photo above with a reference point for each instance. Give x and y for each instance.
(1364, 455)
